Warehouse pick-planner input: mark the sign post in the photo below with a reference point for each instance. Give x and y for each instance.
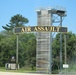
(65, 65)
(17, 53)
(19, 30)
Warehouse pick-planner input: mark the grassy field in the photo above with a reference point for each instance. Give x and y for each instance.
(29, 70)
(22, 70)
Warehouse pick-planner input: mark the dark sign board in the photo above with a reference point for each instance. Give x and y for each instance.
(40, 29)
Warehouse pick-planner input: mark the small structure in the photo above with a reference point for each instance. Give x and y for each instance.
(11, 65)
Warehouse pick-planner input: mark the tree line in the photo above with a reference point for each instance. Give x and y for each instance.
(27, 45)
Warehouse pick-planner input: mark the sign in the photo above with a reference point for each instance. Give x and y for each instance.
(40, 29)
(65, 66)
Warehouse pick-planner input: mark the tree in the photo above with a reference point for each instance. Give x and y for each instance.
(7, 49)
(71, 51)
(71, 43)
(16, 21)
(27, 49)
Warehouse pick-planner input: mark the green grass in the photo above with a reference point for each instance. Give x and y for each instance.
(22, 70)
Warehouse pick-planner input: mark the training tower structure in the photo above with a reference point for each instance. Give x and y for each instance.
(44, 39)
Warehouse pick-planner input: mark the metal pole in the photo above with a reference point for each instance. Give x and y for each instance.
(51, 48)
(17, 53)
(50, 53)
(65, 47)
(60, 46)
(65, 50)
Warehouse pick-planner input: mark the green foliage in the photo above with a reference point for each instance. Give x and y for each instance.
(27, 49)
(70, 47)
(16, 21)
(7, 49)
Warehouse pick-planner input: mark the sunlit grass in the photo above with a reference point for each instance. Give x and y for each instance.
(23, 70)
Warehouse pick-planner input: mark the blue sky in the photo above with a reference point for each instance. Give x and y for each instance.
(27, 8)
